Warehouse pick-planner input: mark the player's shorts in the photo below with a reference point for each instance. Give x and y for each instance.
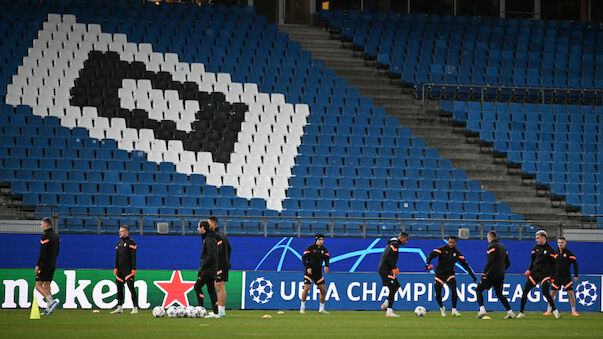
(566, 282)
(205, 275)
(45, 274)
(222, 275)
(444, 278)
(122, 275)
(315, 277)
(488, 282)
(388, 279)
(539, 278)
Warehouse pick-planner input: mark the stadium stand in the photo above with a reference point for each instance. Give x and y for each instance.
(213, 111)
(514, 57)
(556, 145)
(553, 141)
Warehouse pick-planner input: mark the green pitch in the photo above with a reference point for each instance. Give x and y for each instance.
(86, 324)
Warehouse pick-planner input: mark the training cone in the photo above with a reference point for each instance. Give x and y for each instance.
(35, 310)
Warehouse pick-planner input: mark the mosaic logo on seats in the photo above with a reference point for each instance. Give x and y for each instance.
(168, 110)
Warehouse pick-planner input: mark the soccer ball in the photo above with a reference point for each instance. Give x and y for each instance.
(172, 312)
(420, 311)
(181, 311)
(260, 290)
(158, 312)
(586, 293)
(191, 312)
(201, 312)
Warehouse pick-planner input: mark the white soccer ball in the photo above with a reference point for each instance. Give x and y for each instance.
(181, 311)
(158, 312)
(172, 312)
(191, 312)
(420, 311)
(201, 311)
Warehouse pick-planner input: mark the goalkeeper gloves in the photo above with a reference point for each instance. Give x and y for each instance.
(396, 271)
(527, 273)
(428, 267)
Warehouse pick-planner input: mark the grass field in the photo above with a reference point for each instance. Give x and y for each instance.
(86, 324)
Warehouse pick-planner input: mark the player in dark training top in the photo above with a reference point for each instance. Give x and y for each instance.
(207, 268)
(224, 251)
(388, 269)
(313, 258)
(448, 256)
(494, 275)
(541, 271)
(46, 264)
(563, 275)
(125, 268)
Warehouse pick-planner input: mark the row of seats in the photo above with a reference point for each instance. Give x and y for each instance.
(570, 167)
(418, 49)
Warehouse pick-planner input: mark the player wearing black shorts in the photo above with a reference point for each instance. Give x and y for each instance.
(46, 264)
(125, 268)
(563, 275)
(388, 270)
(312, 259)
(494, 275)
(448, 256)
(224, 251)
(208, 268)
(541, 270)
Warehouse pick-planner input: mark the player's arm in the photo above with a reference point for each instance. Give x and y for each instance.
(212, 252)
(228, 251)
(574, 261)
(116, 257)
(132, 249)
(435, 253)
(306, 258)
(553, 259)
(491, 255)
(529, 271)
(507, 261)
(326, 258)
(465, 265)
(390, 260)
(44, 248)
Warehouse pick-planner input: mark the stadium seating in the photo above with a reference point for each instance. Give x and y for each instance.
(178, 109)
(559, 145)
(564, 56)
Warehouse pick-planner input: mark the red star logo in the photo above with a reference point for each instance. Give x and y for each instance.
(175, 290)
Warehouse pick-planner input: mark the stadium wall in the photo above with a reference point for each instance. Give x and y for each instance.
(96, 289)
(157, 252)
(267, 273)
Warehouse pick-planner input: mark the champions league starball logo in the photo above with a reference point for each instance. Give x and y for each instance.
(261, 290)
(586, 293)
